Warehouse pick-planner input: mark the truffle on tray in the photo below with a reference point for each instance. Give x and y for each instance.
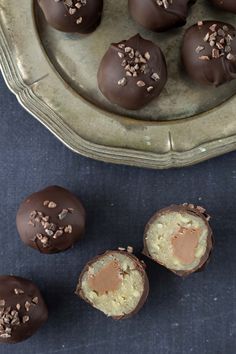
(160, 15)
(209, 52)
(82, 16)
(132, 73)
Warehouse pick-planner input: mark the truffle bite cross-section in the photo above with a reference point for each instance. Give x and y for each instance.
(179, 238)
(209, 52)
(114, 283)
(22, 309)
(82, 16)
(51, 220)
(160, 15)
(132, 73)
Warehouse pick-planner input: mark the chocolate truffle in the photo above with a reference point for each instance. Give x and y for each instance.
(209, 52)
(114, 283)
(160, 15)
(22, 309)
(51, 220)
(179, 238)
(132, 72)
(227, 5)
(82, 16)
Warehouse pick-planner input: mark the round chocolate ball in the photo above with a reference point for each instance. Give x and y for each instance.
(22, 309)
(160, 15)
(227, 5)
(179, 237)
(132, 72)
(209, 52)
(114, 283)
(51, 220)
(82, 16)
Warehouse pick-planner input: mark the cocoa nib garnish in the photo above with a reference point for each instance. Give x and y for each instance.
(35, 300)
(220, 40)
(63, 214)
(68, 229)
(51, 230)
(8, 318)
(18, 291)
(73, 7)
(136, 64)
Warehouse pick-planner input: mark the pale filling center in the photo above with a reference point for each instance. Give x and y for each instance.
(177, 240)
(113, 284)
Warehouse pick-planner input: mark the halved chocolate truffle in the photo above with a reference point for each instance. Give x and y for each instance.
(82, 16)
(132, 72)
(114, 283)
(22, 309)
(160, 15)
(51, 220)
(209, 52)
(179, 238)
(227, 5)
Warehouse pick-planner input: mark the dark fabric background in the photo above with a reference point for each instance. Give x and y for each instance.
(195, 315)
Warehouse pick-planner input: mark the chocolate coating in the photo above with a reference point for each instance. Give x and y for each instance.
(82, 16)
(22, 309)
(132, 72)
(185, 208)
(209, 52)
(160, 15)
(227, 5)
(51, 220)
(140, 266)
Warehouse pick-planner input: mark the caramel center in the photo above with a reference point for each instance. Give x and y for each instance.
(107, 279)
(184, 244)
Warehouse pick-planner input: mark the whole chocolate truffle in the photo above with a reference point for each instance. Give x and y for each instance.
(160, 15)
(22, 309)
(179, 238)
(132, 72)
(51, 220)
(114, 283)
(82, 16)
(227, 5)
(209, 52)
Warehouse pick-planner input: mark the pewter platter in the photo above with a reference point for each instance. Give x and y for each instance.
(54, 77)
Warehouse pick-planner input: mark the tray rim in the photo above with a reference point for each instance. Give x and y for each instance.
(43, 113)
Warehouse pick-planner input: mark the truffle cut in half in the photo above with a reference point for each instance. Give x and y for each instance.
(114, 283)
(179, 238)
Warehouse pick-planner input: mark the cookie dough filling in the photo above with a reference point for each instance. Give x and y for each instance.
(114, 283)
(178, 239)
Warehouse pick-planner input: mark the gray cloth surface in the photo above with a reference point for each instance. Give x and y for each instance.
(182, 316)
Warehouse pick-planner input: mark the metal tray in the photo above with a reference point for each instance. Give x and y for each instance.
(54, 77)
